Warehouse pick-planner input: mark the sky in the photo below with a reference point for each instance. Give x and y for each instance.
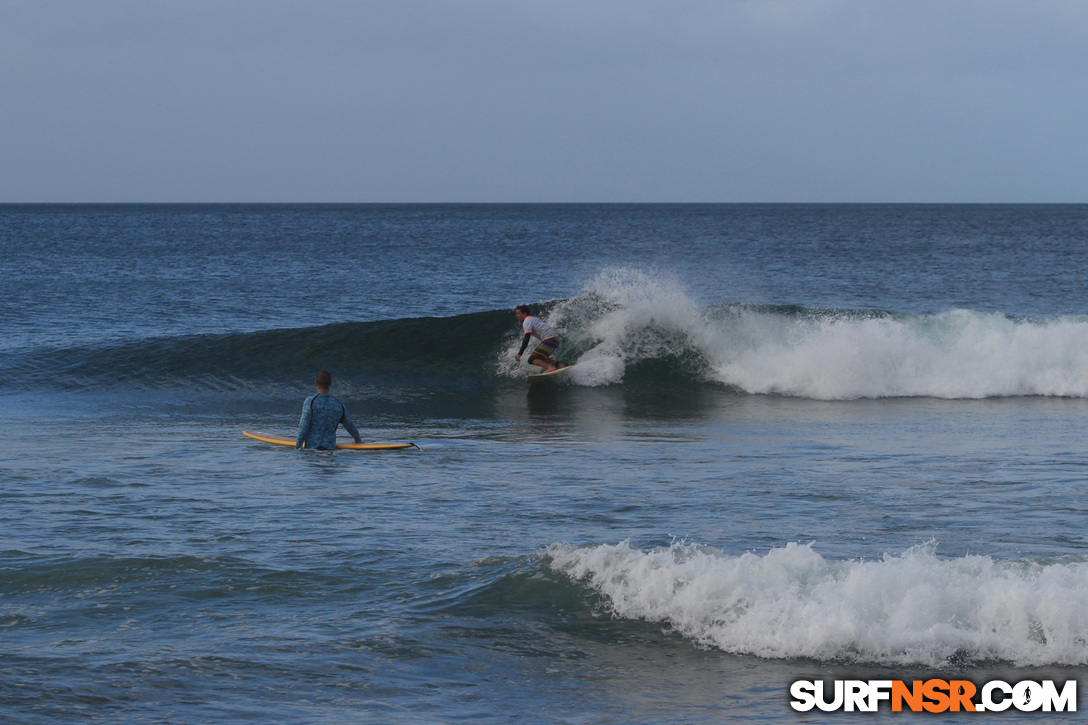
(958, 101)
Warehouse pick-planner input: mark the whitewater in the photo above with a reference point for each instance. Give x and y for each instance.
(625, 317)
(912, 608)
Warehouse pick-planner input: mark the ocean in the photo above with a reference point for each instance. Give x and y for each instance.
(802, 442)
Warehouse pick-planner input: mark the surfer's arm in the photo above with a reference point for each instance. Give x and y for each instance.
(524, 343)
(349, 425)
(304, 424)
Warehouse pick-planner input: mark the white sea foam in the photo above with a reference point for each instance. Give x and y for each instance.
(628, 316)
(957, 354)
(914, 608)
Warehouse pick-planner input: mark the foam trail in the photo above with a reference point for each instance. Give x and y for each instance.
(909, 609)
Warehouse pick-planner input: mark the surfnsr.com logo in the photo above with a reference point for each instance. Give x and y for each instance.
(933, 696)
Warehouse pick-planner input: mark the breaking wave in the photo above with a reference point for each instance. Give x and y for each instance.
(914, 608)
(627, 328)
(627, 321)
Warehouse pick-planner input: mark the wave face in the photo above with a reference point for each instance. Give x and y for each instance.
(912, 609)
(354, 351)
(628, 327)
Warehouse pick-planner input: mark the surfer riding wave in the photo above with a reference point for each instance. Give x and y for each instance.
(532, 326)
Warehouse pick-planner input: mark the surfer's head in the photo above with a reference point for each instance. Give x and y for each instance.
(522, 311)
(324, 380)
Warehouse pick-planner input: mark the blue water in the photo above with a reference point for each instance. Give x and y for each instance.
(800, 442)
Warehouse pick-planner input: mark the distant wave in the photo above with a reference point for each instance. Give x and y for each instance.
(627, 328)
(914, 608)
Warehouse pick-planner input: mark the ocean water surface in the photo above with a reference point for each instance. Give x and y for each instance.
(800, 442)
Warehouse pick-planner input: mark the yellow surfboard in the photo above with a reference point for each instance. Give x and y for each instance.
(286, 441)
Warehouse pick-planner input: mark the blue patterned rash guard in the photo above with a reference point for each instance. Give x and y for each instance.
(321, 414)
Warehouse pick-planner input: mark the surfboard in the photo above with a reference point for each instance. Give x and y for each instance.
(287, 441)
(553, 376)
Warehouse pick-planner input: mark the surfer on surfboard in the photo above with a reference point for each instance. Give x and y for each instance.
(321, 415)
(549, 340)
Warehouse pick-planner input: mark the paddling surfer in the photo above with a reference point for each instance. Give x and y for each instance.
(321, 414)
(549, 340)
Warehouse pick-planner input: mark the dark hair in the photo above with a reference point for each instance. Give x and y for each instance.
(523, 308)
(324, 379)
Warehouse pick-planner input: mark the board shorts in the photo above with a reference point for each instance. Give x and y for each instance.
(545, 348)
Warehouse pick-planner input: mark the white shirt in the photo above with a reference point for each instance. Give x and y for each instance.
(538, 328)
